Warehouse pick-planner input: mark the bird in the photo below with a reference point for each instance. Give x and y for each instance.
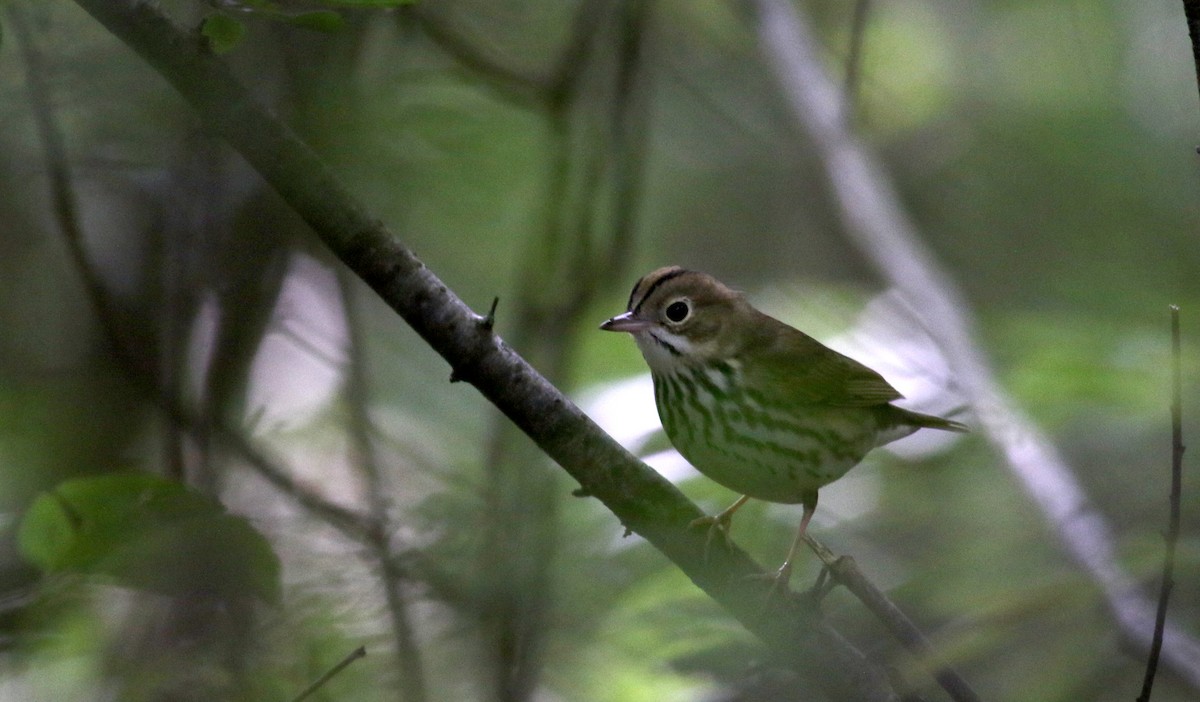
(754, 404)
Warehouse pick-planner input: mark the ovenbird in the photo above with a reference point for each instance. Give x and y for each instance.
(757, 406)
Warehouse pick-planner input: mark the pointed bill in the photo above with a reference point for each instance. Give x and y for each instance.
(626, 323)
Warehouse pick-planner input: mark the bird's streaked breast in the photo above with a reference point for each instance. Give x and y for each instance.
(771, 453)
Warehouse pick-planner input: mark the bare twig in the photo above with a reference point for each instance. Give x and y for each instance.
(506, 83)
(877, 223)
(62, 189)
(1172, 536)
(845, 571)
(643, 500)
(630, 117)
(392, 575)
(354, 655)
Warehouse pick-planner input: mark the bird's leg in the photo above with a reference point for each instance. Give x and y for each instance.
(784, 574)
(718, 522)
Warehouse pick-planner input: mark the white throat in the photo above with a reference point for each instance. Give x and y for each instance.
(664, 352)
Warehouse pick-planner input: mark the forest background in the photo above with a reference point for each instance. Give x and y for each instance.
(167, 313)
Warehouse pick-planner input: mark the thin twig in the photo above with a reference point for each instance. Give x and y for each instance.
(845, 571)
(62, 189)
(1172, 536)
(354, 655)
(877, 223)
(630, 136)
(392, 575)
(504, 82)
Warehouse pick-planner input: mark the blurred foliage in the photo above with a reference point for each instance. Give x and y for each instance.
(148, 533)
(1046, 151)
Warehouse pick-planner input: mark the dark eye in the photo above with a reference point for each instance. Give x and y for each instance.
(678, 311)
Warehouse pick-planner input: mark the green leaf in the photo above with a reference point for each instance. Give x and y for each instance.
(223, 32)
(148, 533)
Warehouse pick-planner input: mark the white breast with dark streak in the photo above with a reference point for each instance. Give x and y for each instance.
(770, 453)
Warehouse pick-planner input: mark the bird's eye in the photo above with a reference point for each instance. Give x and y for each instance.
(678, 311)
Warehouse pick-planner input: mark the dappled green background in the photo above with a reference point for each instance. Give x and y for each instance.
(1045, 150)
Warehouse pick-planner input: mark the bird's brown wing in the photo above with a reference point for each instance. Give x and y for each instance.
(794, 367)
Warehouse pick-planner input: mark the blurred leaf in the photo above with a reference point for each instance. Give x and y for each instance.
(318, 20)
(1062, 364)
(223, 32)
(148, 533)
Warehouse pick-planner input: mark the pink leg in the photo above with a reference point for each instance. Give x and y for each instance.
(784, 574)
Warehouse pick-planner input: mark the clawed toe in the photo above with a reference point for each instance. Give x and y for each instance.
(779, 581)
(718, 524)
(778, 590)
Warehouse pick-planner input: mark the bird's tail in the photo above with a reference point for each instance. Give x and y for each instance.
(929, 421)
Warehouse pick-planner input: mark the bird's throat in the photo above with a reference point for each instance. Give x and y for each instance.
(664, 352)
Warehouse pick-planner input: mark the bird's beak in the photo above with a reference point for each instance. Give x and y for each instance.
(626, 323)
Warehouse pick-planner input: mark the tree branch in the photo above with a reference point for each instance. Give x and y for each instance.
(644, 501)
(876, 222)
(845, 571)
(328, 675)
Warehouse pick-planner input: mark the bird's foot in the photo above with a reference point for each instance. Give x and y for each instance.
(778, 579)
(719, 523)
(779, 582)
(716, 524)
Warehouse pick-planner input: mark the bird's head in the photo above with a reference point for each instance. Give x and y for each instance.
(680, 317)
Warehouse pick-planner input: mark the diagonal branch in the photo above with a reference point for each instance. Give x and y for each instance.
(845, 571)
(644, 501)
(876, 222)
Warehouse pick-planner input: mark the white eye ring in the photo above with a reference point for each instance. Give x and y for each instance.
(678, 311)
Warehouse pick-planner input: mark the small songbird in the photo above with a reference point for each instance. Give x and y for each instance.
(757, 406)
